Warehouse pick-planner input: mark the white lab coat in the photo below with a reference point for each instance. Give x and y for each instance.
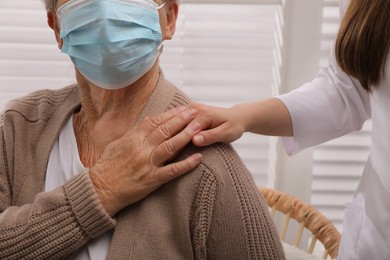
(334, 104)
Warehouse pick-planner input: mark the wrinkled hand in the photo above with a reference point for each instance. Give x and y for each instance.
(134, 166)
(219, 124)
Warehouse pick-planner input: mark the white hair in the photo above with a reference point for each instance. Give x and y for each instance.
(50, 4)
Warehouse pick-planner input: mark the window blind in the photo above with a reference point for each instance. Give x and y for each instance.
(223, 52)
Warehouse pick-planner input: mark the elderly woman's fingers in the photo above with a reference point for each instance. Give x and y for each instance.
(149, 124)
(133, 166)
(171, 147)
(170, 128)
(174, 170)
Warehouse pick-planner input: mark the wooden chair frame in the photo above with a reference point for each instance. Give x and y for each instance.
(307, 217)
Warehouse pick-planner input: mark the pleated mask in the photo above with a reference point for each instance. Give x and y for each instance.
(112, 43)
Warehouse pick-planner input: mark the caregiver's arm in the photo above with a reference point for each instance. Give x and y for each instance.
(265, 117)
(331, 105)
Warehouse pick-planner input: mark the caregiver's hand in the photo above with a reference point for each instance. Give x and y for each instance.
(264, 117)
(218, 124)
(134, 165)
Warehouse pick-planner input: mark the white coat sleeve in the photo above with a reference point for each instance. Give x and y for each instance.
(332, 105)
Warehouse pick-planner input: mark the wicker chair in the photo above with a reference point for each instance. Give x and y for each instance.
(307, 217)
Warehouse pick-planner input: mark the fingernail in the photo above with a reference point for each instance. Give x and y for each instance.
(195, 127)
(198, 157)
(199, 139)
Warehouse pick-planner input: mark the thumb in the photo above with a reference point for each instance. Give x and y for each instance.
(207, 137)
(225, 133)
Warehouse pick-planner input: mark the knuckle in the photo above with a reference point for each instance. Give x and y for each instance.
(146, 118)
(173, 172)
(188, 133)
(182, 117)
(169, 147)
(145, 121)
(154, 121)
(165, 130)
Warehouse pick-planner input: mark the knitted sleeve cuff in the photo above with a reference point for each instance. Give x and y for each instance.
(86, 206)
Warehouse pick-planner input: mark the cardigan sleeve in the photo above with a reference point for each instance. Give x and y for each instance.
(332, 105)
(56, 224)
(232, 219)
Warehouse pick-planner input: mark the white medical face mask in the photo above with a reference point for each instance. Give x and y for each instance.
(111, 42)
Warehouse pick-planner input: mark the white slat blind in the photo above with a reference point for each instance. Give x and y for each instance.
(29, 58)
(338, 164)
(223, 53)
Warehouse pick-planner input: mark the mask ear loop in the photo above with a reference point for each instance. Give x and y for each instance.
(162, 5)
(161, 47)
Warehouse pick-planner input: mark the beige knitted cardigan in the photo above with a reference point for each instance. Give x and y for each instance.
(213, 212)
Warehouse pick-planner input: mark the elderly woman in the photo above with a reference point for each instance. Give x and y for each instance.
(72, 174)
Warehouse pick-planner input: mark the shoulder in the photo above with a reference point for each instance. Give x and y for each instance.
(221, 173)
(228, 205)
(221, 161)
(224, 156)
(41, 104)
(222, 164)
